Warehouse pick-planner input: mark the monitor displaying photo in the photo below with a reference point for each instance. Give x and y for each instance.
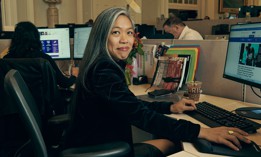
(243, 61)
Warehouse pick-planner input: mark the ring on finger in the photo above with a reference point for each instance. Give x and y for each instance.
(230, 132)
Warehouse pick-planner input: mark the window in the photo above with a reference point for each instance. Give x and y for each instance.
(187, 9)
(184, 1)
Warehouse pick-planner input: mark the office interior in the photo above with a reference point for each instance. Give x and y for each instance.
(212, 49)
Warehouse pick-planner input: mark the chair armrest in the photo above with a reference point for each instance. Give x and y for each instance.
(59, 119)
(113, 149)
(66, 93)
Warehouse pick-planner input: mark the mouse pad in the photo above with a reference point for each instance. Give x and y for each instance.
(248, 150)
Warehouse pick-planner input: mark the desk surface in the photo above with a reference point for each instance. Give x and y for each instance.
(228, 104)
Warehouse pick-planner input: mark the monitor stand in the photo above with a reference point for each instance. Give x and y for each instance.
(249, 112)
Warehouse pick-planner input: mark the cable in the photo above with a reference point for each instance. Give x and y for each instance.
(255, 92)
(17, 153)
(244, 92)
(148, 88)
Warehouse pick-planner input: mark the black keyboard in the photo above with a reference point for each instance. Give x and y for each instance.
(214, 116)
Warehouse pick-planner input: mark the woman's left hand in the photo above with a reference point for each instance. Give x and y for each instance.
(183, 105)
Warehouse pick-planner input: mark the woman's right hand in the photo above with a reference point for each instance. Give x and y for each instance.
(228, 136)
(183, 105)
(75, 71)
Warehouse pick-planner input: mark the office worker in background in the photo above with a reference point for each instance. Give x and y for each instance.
(179, 30)
(89, 23)
(26, 44)
(104, 108)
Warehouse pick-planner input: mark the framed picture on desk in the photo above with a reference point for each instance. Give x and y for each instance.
(231, 6)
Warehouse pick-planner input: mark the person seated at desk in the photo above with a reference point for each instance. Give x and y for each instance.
(104, 108)
(26, 44)
(175, 26)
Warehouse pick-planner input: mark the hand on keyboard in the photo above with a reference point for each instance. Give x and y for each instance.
(183, 105)
(204, 146)
(227, 127)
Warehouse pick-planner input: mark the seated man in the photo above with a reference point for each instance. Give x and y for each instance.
(179, 30)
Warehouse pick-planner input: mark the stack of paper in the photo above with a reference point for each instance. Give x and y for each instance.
(147, 62)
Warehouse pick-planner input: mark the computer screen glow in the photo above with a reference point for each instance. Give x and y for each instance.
(243, 60)
(55, 42)
(81, 36)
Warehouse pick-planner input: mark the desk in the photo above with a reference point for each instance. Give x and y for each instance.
(225, 103)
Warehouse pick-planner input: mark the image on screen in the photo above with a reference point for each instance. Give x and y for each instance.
(55, 42)
(243, 60)
(81, 36)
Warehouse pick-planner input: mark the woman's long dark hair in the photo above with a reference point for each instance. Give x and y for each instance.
(26, 39)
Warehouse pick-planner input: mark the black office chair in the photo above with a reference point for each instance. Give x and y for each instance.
(41, 81)
(40, 78)
(17, 89)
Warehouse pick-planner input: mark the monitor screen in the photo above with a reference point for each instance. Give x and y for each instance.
(243, 59)
(55, 42)
(81, 36)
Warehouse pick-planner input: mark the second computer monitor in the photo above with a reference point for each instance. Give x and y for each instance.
(55, 42)
(81, 37)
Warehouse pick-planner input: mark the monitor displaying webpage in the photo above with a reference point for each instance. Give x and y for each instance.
(81, 37)
(55, 42)
(243, 60)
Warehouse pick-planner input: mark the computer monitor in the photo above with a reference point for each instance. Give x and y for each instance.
(6, 34)
(55, 42)
(243, 60)
(253, 10)
(145, 30)
(81, 36)
(71, 27)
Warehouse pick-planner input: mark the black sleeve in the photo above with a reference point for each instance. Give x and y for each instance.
(160, 107)
(62, 80)
(109, 83)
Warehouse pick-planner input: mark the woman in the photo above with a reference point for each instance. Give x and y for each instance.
(104, 108)
(26, 44)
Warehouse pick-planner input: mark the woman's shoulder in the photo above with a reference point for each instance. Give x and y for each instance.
(106, 63)
(106, 67)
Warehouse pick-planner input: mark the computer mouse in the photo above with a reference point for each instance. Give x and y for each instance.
(251, 145)
(204, 146)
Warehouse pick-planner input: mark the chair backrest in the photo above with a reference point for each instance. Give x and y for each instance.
(6, 108)
(40, 78)
(16, 88)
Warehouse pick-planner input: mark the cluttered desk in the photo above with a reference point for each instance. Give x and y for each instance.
(193, 149)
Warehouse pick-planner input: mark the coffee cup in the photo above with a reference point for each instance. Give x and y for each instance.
(194, 90)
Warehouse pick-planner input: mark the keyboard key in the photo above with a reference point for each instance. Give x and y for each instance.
(214, 116)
